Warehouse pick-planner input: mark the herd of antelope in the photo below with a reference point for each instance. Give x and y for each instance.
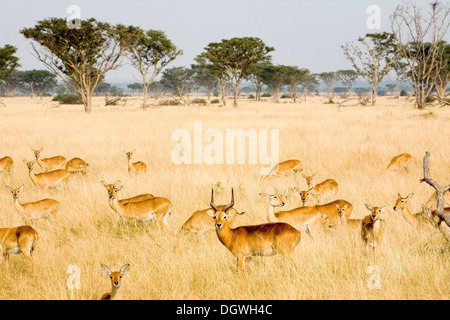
(280, 235)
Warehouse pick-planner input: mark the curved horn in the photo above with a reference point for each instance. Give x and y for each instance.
(231, 203)
(212, 205)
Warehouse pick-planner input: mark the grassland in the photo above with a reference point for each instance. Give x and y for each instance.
(352, 145)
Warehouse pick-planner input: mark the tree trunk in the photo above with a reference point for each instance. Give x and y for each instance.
(144, 103)
(374, 96)
(276, 93)
(235, 98)
(444, 217)
(88, 104)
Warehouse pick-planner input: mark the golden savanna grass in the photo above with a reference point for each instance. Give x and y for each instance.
(352, 145)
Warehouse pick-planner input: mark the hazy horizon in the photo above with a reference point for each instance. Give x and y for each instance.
(305, 34)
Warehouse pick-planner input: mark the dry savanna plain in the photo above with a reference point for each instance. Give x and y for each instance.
(352, 145)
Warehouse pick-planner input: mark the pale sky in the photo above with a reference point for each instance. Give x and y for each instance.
(307, 34)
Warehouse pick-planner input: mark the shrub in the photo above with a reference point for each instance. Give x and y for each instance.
(403, 93)
(285, 96)
(215, 101)
(169, 103)
(68, 98)
(251, 96)
(266, 95)
(199, 101)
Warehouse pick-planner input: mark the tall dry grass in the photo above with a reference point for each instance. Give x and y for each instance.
(351, 145)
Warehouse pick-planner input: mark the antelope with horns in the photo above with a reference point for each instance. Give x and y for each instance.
(256, 240)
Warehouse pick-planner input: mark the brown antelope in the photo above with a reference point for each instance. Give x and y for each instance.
(124, 201)
(157, 208)
(135, 167)
(6, 164)
(46, 180)
(116, 279)
(18, 239)
(257, 240)
(34, 210)
(401, 161)
(346, 222)
(432, 202)
(309, 180)
(285, 168)
(76, 165)
(200, 222)
(305, 218)
(49, 164)
(326, 190)
(414, 219)
(372, 227)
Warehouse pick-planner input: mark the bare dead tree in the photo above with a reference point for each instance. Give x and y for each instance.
(439, 213)
(419, 39)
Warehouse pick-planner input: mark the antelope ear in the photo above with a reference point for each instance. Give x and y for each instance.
(409, 196)
(231, 212)
(264, 195)
(304, 176)
(104, 184)
(345, 207)
(211, 212)
(10, 190)
(383, 208)
(106, 270)
(20, 189)
(125, 269)
(118, 188)
(368, 207)
(337, 206)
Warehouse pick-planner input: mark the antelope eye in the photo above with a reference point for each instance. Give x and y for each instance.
(224, 217)
(110, 277)
(215, 217)
(120, 277)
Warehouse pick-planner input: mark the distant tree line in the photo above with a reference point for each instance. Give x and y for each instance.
(80, 57)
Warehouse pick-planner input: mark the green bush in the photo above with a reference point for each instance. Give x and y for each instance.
(215, 101)
(403, 93)
(169, 103)
(266, 95)
(199, 101)
(68, 98)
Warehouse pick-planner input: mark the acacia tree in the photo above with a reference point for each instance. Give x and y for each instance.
(203, 77)
(79, 56)
(150, 52)
(255, 75)
(232, 59)
(330, 79)
(308, 82)
(275, 78)
(293, 77)
(372, 57)
(348, 78)
(38, 81)
(177, 80)
(419, 38)
(8, 61)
